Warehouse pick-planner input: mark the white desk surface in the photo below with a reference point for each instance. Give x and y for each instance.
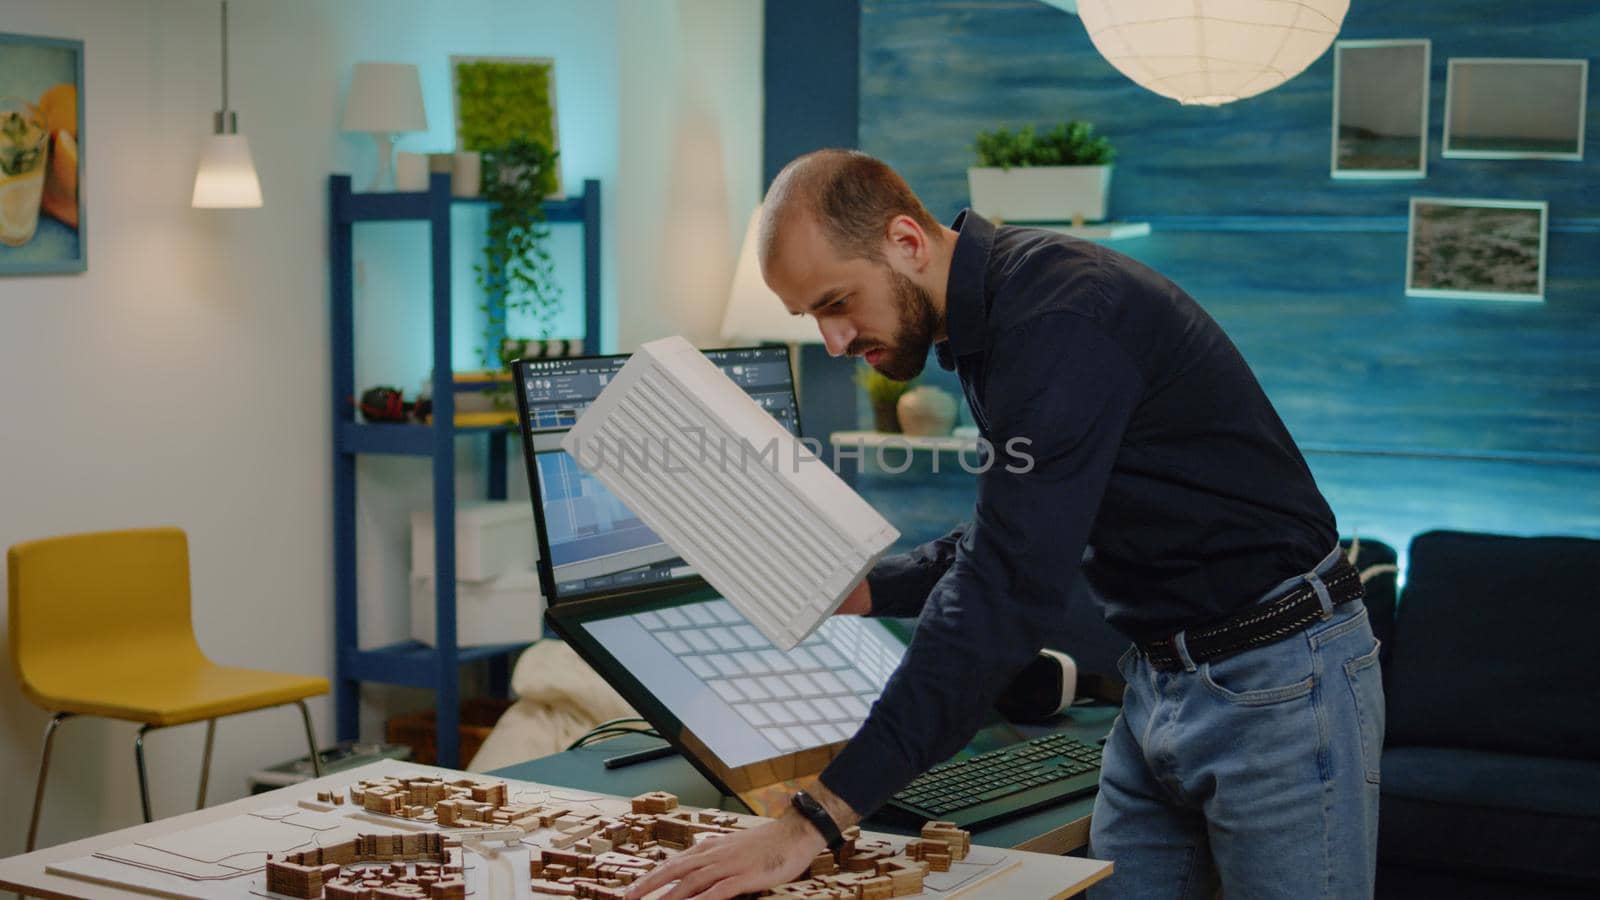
(1037, 875)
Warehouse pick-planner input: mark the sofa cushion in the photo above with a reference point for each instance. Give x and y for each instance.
(1541, 784)
(1403, 882)
(1494, 645)
(1491, 812)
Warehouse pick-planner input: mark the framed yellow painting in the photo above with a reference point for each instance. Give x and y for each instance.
(42, 227)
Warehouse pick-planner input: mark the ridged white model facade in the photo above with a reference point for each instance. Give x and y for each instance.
(764, 521)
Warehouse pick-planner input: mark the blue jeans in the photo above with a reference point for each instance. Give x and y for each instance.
(1257, 773)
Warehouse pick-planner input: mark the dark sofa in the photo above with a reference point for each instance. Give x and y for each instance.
(1491, 763)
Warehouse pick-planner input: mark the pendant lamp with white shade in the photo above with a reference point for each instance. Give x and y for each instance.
(227, 175)
(1211, 52)
(754, 313)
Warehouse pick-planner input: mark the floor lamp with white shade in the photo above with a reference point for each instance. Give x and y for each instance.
(755, 313)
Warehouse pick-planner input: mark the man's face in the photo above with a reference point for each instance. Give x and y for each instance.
(863, 307)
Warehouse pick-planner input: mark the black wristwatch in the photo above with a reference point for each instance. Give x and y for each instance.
(807, 806)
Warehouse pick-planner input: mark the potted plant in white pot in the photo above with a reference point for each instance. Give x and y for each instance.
(884, 394)
(1062, 175)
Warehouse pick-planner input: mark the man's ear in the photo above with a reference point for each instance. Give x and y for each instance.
(908, 242)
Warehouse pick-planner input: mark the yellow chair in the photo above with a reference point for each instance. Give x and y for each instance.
(100, 626)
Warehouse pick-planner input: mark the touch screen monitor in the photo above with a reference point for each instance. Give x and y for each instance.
(756, 720)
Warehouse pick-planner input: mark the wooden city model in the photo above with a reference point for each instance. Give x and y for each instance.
(593, 856)
(330, 871)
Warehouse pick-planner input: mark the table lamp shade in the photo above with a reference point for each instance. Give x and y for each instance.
(754, 312)
(385, 97)
(1210, 52)
(227, 174)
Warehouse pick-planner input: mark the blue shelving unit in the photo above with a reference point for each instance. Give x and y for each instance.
(411, 663)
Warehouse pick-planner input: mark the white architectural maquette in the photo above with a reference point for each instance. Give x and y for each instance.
(763, 520)
(1211, 52)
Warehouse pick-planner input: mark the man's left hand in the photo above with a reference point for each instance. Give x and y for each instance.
(743, 862)
(858, 602)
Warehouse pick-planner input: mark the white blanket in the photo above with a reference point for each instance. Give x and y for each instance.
(559, 698)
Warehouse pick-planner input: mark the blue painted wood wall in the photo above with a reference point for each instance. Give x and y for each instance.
(811, 83)
(1415, 414)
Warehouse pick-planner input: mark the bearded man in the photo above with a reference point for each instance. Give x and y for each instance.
(1246, 753)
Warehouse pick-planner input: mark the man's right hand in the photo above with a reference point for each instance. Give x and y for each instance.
(858, 603)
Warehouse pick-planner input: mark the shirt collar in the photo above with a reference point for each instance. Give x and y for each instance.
(964, 307)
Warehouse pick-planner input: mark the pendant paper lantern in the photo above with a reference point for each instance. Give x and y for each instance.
(1211, 52)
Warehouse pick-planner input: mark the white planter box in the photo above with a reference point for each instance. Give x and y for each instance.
(493, 538)
(504, 610)
(1040, 193)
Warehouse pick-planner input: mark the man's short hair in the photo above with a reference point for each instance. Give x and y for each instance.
(852, 195)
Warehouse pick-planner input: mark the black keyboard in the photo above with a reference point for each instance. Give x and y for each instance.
(999, 784)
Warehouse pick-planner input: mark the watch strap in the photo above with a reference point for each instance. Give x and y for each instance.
(807, 805)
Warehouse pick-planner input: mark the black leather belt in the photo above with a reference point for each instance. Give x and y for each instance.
(1258, 625)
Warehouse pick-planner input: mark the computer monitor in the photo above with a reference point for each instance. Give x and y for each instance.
(555, 392)
(595, 544)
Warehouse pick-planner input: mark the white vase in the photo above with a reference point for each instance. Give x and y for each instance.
(926, 411)
(466, 179)
(1040, 193)
(410, 172)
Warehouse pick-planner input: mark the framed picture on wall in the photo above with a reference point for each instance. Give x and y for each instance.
(1476, 249)
(41, 155)
(1380, 109)
(1515, 108)
(504, 98)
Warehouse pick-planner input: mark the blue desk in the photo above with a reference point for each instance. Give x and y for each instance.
(1057, 830)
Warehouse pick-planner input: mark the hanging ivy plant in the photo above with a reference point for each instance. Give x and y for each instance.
(517, 274)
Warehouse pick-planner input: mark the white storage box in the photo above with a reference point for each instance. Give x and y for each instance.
(504, 610)
(493, 538)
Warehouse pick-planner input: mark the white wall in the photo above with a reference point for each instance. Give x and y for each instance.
(184, 379)
(689, 170)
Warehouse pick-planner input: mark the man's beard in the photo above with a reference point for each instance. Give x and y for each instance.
(908, 355)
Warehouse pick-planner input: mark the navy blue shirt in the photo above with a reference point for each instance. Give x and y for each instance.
(1124, 421)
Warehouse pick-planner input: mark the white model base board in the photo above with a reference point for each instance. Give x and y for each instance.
(226, 859)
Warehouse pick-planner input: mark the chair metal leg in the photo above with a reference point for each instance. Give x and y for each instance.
(44, 770)
(311, 738)
(205, 762)
(144, 782)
